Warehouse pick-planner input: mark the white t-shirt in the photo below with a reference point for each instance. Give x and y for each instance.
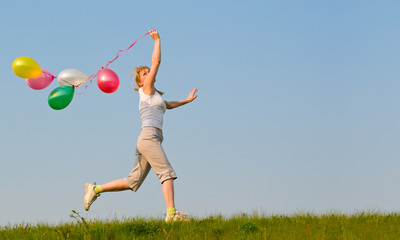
(151, 109)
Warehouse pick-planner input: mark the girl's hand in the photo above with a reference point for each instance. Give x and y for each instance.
(192, 95)
(154, 35)
(174, 104)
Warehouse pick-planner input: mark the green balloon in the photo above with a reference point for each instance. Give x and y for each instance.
(61, 97)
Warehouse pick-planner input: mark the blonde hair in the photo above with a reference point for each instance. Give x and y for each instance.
(136, 71)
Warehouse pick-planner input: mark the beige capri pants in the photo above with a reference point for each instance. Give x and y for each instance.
(149, 154)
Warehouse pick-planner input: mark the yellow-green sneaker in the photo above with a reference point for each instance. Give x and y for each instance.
(90, 195)
(177, 216)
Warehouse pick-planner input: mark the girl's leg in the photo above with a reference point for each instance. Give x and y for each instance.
(149, 145)
(168, 191)
(133, 181)
(135, 178)
(116, 185)
(172, 213)
(92, 191)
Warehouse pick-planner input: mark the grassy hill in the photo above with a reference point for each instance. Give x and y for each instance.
(304, 226)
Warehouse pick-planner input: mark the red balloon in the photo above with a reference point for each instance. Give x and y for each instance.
(107, 80)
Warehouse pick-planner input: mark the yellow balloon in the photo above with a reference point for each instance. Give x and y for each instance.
(26, 67)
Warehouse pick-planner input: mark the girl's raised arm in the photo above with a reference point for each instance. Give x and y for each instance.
(148, 85)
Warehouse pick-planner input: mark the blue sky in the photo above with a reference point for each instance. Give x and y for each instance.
(297, 109)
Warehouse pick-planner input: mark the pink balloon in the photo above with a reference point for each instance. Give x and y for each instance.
(107, 80)
(41, 81)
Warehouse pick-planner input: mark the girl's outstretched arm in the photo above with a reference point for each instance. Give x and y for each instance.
(174, 104)
(148, 85)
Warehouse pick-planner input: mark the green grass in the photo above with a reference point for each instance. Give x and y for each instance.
(300, 226)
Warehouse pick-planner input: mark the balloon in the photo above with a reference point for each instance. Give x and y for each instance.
(107, 80)
(61, 97)
(71, 77)
(26, 67)
(42, 81)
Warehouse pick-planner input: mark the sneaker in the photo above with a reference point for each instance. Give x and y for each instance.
(90, 195)
(177, 216)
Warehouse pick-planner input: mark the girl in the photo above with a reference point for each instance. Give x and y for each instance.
(149, 152)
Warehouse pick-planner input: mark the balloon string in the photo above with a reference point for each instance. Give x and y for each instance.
(91, 80)
(66, 82)
(48, 75)
(108, 63)
(120, 51)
